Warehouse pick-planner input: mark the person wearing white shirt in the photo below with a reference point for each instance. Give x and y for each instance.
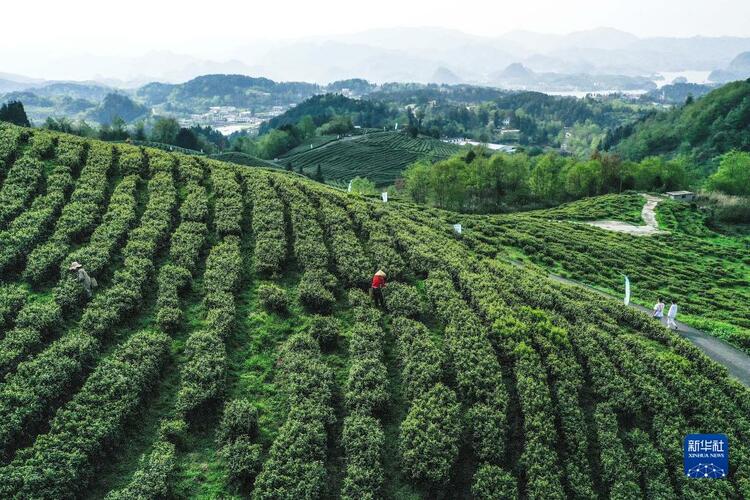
(659, 310)
(671, 315)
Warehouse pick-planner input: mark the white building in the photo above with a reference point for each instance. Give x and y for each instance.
(681, 195)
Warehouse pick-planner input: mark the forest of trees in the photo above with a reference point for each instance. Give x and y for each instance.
(701, 129)
(482, 183)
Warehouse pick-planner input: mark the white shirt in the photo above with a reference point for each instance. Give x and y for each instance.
(659, 310)
(672, 311)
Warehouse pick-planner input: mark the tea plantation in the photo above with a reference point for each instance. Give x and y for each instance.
(230, 349)
(379, 156)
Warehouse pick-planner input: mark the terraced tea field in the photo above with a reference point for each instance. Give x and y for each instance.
(230, 349)
(379, 156)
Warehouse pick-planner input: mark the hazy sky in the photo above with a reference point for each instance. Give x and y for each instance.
(210, 27)
(45, 38)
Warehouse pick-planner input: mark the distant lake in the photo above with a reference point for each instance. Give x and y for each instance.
(583, 93)
(692, 76)
(230, 129)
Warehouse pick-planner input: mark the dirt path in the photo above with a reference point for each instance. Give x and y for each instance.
(734, 360)
(648, 213)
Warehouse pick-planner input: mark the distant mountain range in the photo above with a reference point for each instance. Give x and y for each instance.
(415, 54)
(738, 69)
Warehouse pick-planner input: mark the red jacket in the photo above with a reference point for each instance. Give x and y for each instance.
(378, 282)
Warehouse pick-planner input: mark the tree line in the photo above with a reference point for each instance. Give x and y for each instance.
(484, 183)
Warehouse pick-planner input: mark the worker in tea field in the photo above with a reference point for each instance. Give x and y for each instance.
(671, 315)
(659, 309)
(378, 283)
(89, 283)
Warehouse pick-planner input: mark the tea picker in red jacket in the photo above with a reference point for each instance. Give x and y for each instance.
(378, 283)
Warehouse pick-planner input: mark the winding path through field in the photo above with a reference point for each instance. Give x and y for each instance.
(648, 213)
(734, 360)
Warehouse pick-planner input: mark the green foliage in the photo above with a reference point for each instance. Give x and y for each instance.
(325, 329)
(587, 253)
(403, 300)
(80, 215)
(364, 441)
(502, 182)
(204, 371)
(14, 113)
(315, 291)
(295, 467)
(713, 125)
(357, 403)
(151, 480)
(118, 106)
(430, 434)
(493, 483)
(272, 298)
(379, 156)
(421, 360)
(59, 461)
(733, 175)
(366, 389)
(20, 185)
(243, 459)
(268, 224)
(165, 130)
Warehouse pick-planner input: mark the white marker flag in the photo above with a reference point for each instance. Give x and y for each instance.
(384, 195)
(627, 290)
(457, 228)
(349, 189)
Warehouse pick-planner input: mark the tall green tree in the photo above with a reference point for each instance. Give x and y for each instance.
(733, 174)
(187, 139)
(165, 130)
(13, 112)
(417, 181)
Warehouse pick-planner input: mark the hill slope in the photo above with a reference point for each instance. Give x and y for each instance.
(231, 345)
(714, 124)
(379, 156)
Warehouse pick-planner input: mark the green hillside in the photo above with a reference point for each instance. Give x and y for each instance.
(230, 349)
(379, 156)
(714, 124)
(243, 159)
(706, 272)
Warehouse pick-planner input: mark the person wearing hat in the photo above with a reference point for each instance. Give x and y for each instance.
(88, 282)
(378, 283)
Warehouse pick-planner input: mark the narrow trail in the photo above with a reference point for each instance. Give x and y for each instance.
(648, 213)
(734, 360)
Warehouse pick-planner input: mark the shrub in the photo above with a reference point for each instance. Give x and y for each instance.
(421, 360)
(314, 291)
(151, 480)
(363, 440)
(268, 226)
(20, 185)
(240, 419)
(296, 461)
(430, 434)
(367, 385)
(173, 430)
(228, 205)
(272, 298)
(403, 300)
(493, 483)
(58, 461)
(12, 298)
(242, 459)
(358, 298)
(325, 330)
